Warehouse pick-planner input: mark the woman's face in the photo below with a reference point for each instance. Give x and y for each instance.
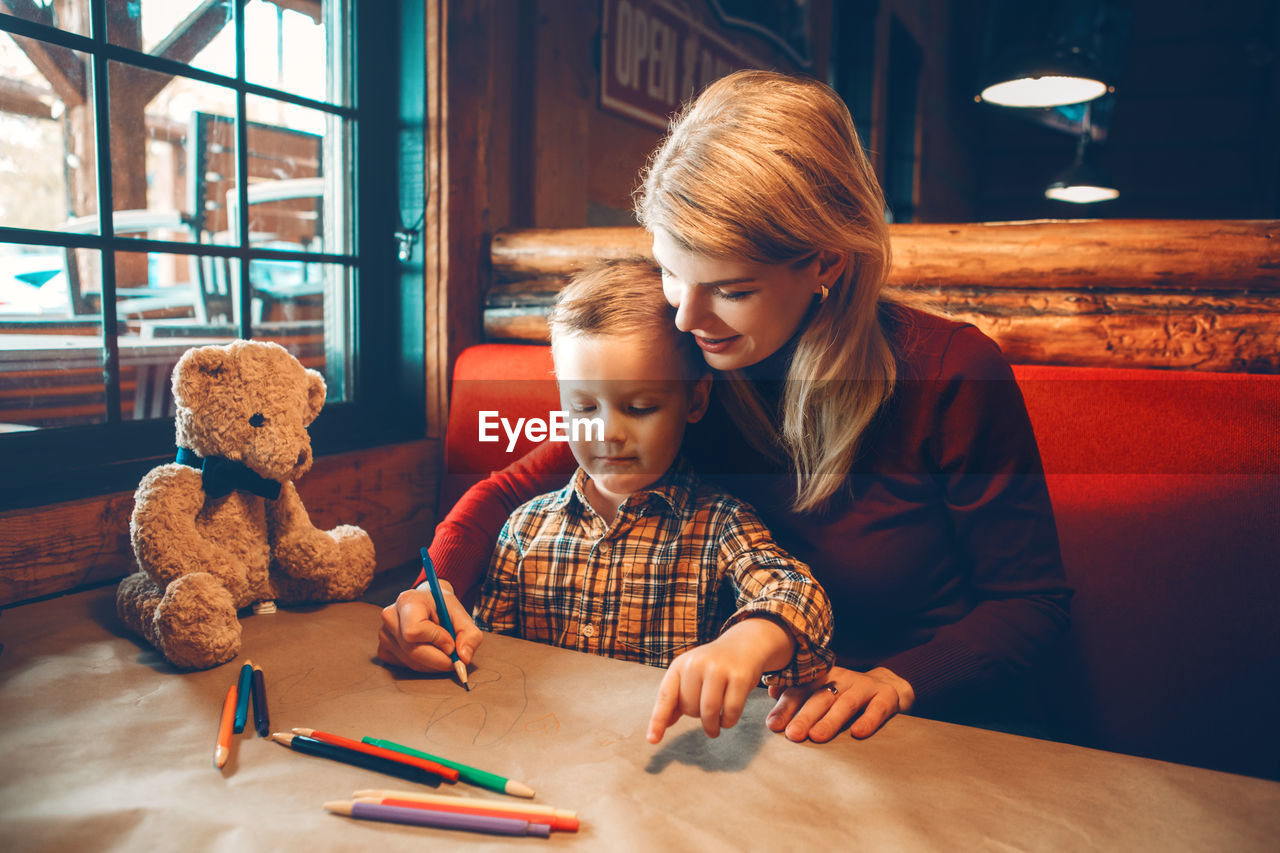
(739, 312)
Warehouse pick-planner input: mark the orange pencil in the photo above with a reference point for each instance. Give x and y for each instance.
(222, 751)
(446, 773)
(479, 807)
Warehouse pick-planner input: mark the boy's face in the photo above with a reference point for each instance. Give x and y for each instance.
(635, 385)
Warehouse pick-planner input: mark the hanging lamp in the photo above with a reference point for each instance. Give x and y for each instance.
(1082, 182)
(1066, 76)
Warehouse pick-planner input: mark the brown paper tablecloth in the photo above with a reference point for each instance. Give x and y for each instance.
(105, 747)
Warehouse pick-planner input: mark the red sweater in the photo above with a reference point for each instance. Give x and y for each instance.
(940, 558)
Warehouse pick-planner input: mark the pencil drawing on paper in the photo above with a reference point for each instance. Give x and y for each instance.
(486, 715)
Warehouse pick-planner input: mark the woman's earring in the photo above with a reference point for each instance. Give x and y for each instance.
(822, 297)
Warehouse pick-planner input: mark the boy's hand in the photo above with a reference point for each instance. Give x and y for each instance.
(411, 636)
(713, 681)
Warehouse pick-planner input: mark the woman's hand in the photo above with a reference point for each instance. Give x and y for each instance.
(812, 711)
(411, 635)
(712, 681)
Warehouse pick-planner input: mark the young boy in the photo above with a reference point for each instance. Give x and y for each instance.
(635, 558)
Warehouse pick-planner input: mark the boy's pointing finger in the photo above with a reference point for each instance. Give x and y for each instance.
(666, 709)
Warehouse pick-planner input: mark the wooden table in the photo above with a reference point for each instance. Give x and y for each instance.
(106, 748)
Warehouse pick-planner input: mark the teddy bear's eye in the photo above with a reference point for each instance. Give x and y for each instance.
(257, 420)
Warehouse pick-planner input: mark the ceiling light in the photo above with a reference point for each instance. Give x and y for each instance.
(1082, 183)
(1067, 77)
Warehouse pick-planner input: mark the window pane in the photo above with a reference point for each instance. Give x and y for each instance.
(156, 286)
(299, 182)
(288, 46)
(50, 358)
(192, 32)
(306, 308)
(172, 155)
(72, 17)
(46, 139)
(163, 312)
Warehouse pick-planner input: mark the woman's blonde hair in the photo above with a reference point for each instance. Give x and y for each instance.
(767, 167)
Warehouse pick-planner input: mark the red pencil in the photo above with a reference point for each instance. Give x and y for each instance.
(446, 773)
(222, 751)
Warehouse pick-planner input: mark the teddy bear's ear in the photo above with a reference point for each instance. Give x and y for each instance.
(196, 369)
(315, 394)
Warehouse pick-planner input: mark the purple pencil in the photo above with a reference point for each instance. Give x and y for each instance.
(369, 810)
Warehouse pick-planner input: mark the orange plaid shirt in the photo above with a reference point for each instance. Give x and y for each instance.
(680, 563)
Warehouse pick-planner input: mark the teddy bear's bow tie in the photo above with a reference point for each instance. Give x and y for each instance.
(221, 476)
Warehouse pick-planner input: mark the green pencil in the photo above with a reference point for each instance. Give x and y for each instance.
(492, 781)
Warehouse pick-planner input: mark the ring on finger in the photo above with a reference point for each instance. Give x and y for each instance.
(831, 688)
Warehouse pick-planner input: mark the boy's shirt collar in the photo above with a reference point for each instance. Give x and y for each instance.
(675, 488)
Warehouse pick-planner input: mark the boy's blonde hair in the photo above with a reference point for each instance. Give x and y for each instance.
(623, 297)
(767, 167)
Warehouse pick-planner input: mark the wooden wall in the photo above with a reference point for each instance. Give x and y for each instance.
(389, 491)
(536, 147)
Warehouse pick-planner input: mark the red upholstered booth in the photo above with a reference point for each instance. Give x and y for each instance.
(1166, 489)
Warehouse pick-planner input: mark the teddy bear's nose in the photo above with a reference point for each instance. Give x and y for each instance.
(302, 458)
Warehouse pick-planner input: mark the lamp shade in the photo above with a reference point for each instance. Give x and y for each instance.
(1063, 77)
(1082, 184)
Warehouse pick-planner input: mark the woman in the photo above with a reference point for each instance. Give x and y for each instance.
(888, 448)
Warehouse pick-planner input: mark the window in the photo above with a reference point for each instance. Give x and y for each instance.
(243, 149)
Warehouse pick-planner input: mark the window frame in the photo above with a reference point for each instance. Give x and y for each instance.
(386, 400)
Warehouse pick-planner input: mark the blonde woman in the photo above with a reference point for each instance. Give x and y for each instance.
(887, 448)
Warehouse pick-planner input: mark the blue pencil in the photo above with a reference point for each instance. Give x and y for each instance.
(242, 697)
(442, 613)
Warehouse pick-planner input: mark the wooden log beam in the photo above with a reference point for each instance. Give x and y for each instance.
(62, 67)
(24, 99)
(1224, 332)
(1080, 254)
(1158, 254)
(557, 252)
(1191, 295)
(188, 38)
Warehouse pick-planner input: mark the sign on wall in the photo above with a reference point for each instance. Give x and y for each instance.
(654, 57)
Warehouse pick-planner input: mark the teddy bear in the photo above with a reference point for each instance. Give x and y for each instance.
(223, 528)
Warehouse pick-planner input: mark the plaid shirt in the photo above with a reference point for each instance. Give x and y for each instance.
(680, 563)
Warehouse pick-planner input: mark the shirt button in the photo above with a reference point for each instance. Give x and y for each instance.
(588, 630)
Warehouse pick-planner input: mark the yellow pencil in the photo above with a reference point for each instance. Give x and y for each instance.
(222, 751)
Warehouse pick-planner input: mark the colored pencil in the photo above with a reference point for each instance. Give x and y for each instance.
(442, 612)
(260, 721)
(242, 696)
(564, 824)
(368, 810)
(440, 770)
(470, 775)
(311, 746)
(449, 799)
(222, 751)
